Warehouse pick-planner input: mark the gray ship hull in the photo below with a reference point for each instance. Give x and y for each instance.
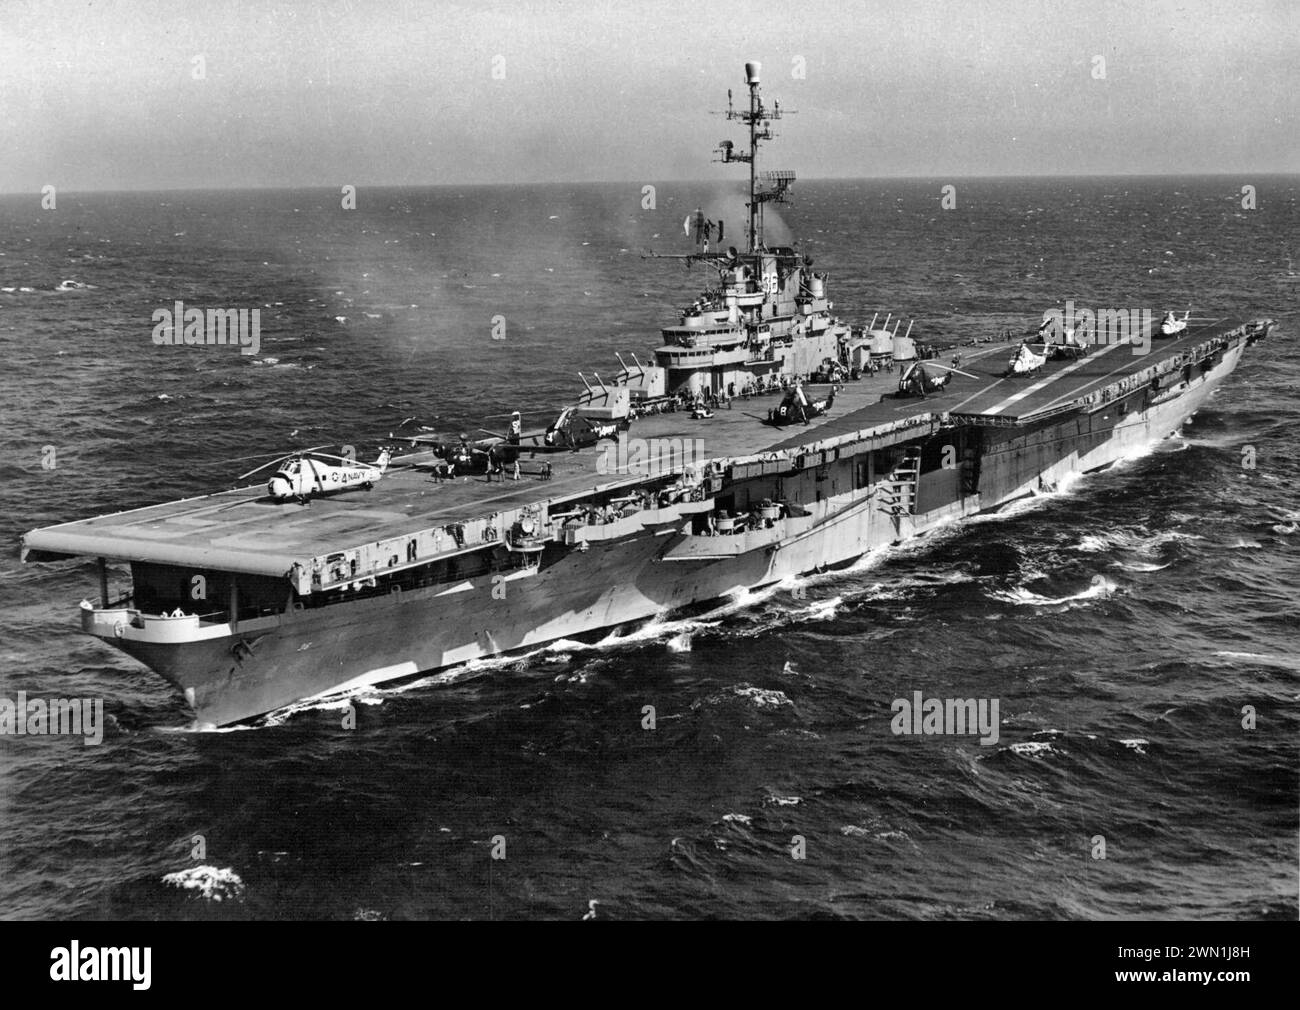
(312, 652)
(249, 603)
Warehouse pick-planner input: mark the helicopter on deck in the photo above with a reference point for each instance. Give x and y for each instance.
(575, 430)
(918, 380)
(1171, 325)
(1025, 362)
(796, 406)
(307, 472)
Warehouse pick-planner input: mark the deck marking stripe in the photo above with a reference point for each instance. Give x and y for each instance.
(1030, 390)
(1102, 378)
(957, 406)
(979, 354)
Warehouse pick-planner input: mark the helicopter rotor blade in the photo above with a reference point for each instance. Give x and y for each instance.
(269, 455)
(245, 459)
(948, 368)
(266, 466)
(278, 459)
(353, 461)
(521, 413)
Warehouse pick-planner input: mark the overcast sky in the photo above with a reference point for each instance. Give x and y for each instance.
(101, 94)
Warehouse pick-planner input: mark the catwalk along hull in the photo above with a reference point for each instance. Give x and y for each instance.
(645, 574)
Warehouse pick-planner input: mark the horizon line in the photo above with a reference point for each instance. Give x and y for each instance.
(641, 182)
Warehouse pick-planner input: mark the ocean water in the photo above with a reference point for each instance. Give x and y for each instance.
(1122, 623)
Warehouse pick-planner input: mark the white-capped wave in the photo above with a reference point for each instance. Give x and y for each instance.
(565, 646)
(330, 702)
(207, 882)
(1290, 662)
(1140, 566)
(204, 727)
(761, 697)
(1166, 537)
(1096, 543)
(1020, 596)
(1131, 540)
(1033, 748)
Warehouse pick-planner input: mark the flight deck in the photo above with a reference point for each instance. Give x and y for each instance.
(244, 530)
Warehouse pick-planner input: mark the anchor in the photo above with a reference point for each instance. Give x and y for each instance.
(243, 649)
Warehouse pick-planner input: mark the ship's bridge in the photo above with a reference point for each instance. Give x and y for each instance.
(708, 336)
(701, 358)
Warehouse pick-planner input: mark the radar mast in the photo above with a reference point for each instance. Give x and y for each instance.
(759, 120)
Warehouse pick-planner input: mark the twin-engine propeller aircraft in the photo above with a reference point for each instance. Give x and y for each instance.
(465, 458)
(570, 431)
(307, 472)
(796, 406)
(461, 457)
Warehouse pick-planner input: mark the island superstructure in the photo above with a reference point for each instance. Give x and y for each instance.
(247, 603)
(768, 315)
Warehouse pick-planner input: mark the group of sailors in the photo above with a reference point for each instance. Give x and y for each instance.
(873, 366)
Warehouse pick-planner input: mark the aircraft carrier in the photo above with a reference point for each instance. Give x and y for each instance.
(669, 486)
